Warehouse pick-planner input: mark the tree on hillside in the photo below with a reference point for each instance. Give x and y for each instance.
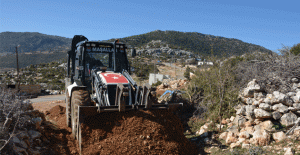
(187, 72)
(295, 49)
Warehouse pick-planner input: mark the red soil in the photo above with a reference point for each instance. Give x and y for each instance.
(132, 132)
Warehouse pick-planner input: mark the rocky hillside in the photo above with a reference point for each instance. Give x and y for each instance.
(32, 41)
(35, 45)
(267, 120)
(194, 42)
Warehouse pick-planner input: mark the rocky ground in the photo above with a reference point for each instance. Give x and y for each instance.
(264, 124)
(136, 132)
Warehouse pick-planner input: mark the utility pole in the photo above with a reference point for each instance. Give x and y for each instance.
(175, 69)
(18, 82)
(154, 71)
(174, 66)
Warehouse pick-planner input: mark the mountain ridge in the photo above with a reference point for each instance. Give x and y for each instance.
(35, 45)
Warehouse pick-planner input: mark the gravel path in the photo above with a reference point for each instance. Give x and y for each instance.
(47, 98)
(45, 103)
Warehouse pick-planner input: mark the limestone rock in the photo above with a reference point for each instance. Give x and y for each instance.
(239, 120)
(288, 119)
(248, 129)
(289, 101)
(23, 135)
(259, 95)
(203, 128)
(238, 106)
(34, 134)
(223, 121)
(232, 118)
(269, 99)
(255, 103)
(258, 121)
(248, 123)
(234, 145)
(244, 134)
(291, 94)
(228, 120)
(289, 151)
(15, 139)
(253, 85)
(265, 106)
(279, 136)
(241, 140)
(245, 146)
(276, 115)
(296, 85)
(279, 97)
(266, 125)
(223, 135)
(259, 113)
(248, 92)
(260, 137)
(292, 109)
(234, 129)
(249, 101)
(280, 107)
(241, 111)
(249, 109)
(296, 106)
(296, 98)
(231, 138)
(296, 131)
(37, 121)
(295, 80)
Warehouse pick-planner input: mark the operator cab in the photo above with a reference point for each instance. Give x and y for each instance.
(100, 54)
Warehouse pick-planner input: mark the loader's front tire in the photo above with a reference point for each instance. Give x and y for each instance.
(79, 98)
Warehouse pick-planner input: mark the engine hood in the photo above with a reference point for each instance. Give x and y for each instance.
(112, 78)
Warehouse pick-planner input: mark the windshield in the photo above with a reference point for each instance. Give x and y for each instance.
(94, 60)
(98, 59)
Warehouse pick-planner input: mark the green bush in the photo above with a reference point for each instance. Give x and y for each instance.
(186, 74)
(157, 84)
(217, 89)
(295, 49)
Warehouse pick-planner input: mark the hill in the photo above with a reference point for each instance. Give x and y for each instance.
(32, 41)
(35, 48)
(9, 60)
(198, 43)
(41, 48)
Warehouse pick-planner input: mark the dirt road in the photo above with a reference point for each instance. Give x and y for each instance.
(45, 103)
(132, 132)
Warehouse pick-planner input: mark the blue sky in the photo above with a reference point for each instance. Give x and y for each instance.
(264, 22)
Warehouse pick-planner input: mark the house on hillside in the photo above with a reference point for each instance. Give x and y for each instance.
(153, 78)
(190, 61)
(200, 63)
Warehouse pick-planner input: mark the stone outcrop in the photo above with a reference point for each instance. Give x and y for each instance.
(279, 136)
(288, 119)
(259, 114)
(28, 139)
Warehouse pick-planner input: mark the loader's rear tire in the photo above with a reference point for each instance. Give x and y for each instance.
(79, 98)
(68, 109)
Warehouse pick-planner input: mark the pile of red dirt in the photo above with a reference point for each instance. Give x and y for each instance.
(131, 132)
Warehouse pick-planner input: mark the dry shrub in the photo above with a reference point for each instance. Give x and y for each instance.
(12, 118)
(273, 72)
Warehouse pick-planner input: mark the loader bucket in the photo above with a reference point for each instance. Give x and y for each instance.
(86, 111)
